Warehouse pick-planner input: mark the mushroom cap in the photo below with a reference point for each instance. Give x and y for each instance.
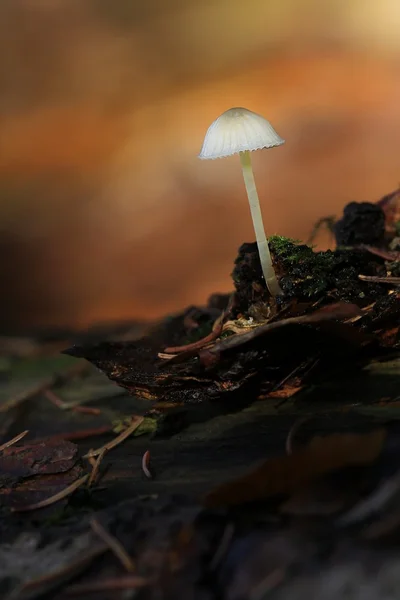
(237, 130)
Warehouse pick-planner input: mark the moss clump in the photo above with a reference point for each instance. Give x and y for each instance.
(306, 275)
(289, 248)
(303, 272)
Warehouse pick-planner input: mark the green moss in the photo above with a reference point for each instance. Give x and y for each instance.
(308, 274)
(305, 275)
(284, 246)
(305, 269)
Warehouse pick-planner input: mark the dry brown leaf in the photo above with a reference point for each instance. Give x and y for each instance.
(287, 474)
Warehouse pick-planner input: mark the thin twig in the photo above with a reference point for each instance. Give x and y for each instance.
(377, 279)
(115, 546)
(53, 398)
(16, 439)
(215, 333)
(130, 582)
(72, 568)
(364, 311)
(91, 460)
(96, 466)
(231, 326)
(118, 440)
(59, 402)
(27, 394)
(41, 386)
(146, 464)
(338, 311)
(53, 499)
(165, 356)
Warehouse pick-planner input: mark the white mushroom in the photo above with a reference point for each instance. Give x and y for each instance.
(240, 131)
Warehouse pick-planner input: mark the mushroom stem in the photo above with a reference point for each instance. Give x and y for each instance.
(262, 243)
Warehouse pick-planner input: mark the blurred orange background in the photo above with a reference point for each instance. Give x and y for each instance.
(105, 211)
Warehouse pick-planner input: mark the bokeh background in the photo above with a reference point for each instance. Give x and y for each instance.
(105, 211)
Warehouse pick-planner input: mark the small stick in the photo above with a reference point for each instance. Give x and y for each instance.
(57, 401)
(146, 464)
(130, 582)
(14, 440)
(334, 312)
(118, 440)
(215, 333)
(54, 399)
(364, 310)
(40, 387)
(71, 569)
(165, 356)
(96, 466)
(53, 499)
(377, 279)
(91, 459)
(115, 546)
(27, 394)
(231, 326)
(196, 345)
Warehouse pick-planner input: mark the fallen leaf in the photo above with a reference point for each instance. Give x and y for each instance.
(33, 472)
(33, 459)
(34, 490)
(54, 498)
(286, 474)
